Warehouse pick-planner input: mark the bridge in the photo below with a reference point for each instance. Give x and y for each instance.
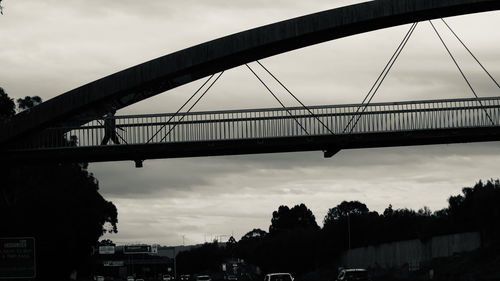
(70, 126)
(326, 128)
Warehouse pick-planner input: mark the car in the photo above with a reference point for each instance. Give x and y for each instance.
(232, 277)
(203, 278)
(185, 277)
(99, 278)
(278, 277)
(130, 278)
(353, 274)
(167, 277)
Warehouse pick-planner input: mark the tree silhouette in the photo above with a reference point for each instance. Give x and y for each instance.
(6, 106)
(345, 209)
(57, 204)
(256, 233)
(28, 102)
(288, 219)
(106, 242)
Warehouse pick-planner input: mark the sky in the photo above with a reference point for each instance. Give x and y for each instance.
(50, 47)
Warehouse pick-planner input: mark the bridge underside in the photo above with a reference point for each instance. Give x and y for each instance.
(330, 144)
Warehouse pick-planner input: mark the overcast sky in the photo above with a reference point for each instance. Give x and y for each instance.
(52, 46)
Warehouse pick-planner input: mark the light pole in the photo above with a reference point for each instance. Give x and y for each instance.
(349, 229)
(175, 266)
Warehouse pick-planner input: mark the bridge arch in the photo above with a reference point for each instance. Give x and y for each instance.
(167, 72)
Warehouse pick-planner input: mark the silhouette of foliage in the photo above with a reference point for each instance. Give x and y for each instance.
(206, 258)
(106, 242)
(6, 106)
(285, 219)
(345, 209)
(28, 102)
(256, 233)
(57, 204)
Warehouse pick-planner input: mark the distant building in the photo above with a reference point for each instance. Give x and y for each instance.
(140, 261)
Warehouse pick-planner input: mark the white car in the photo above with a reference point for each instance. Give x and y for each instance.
(278, 277)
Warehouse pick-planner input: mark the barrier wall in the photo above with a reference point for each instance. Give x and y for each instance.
(413, 253)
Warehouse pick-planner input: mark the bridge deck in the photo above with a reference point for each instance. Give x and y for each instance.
(271, 130)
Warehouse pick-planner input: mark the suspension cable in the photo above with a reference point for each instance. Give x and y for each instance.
(461, 72)
(380, 78)
(282, 85)
(189, 110)
(470, 52)
(271, 92)
(118, 134)
(177, 112)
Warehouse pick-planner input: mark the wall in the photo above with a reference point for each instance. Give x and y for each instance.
(413, 253)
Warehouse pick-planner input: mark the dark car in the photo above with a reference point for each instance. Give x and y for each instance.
(353, 275)
(278, 277)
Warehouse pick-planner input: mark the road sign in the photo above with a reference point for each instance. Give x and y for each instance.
(137, 249)
(113, 263)
(106, 250)
(17, 257)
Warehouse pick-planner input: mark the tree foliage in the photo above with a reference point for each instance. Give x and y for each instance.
(28, 102)
(106, 242)
(256, 233)
(285, 219)
(57, 204)
(7, 106)
(344, 209)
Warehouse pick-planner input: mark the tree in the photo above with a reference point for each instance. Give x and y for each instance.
(6, 106)
(57, 204)
(345, 209)
(288, 219)
(28, 102)
(256, 233)
(388, 211)
(106, 242)
(1, 8)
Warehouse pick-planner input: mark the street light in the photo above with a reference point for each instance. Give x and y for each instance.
(349, 229)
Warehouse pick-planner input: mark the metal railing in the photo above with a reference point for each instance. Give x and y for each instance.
(276, 122)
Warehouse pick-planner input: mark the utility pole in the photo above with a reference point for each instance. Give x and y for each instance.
(349, 229)
(175, 265)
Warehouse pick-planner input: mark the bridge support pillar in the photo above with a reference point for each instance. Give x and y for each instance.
(329, 152)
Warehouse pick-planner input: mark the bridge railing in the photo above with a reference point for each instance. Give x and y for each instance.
(275, 122)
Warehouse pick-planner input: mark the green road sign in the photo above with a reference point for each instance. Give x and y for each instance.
(17, 257)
